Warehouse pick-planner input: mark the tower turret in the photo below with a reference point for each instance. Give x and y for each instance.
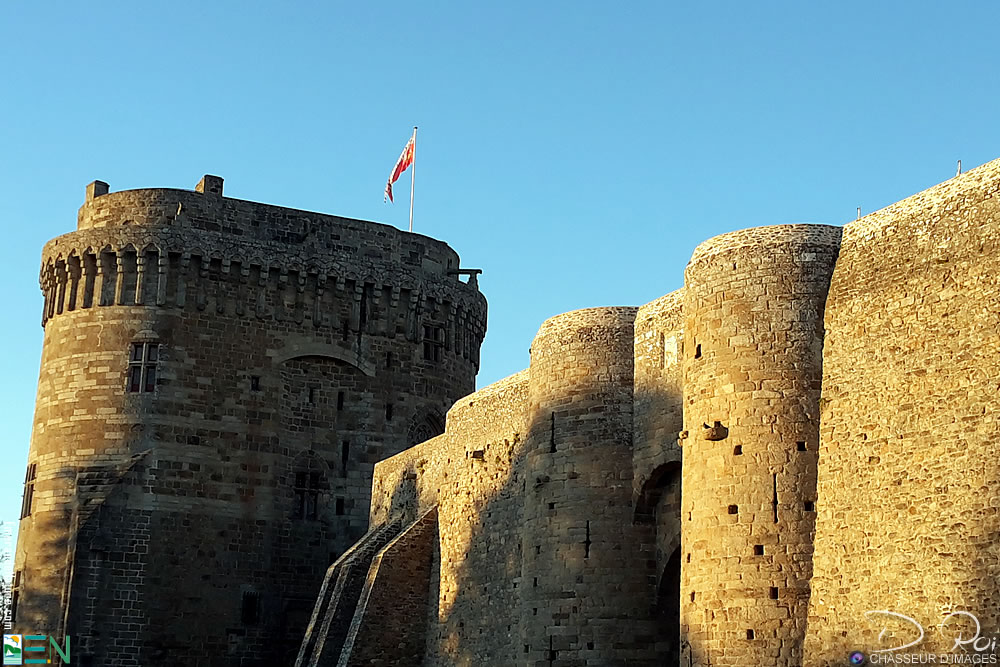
(753, 339)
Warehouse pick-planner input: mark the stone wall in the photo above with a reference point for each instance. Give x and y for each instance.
(753, 305)
(294, 351)
(909, 478)
(474, 474)
(659, 386)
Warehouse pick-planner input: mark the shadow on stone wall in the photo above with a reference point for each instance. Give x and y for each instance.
(484, 614)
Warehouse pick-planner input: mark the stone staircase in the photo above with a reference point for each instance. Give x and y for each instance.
(338, 597)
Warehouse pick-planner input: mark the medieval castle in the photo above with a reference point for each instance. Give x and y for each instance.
(255, 444)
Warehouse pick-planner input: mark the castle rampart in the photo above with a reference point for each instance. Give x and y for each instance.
(833, 392)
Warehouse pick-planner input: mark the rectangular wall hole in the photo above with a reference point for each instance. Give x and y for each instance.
(697, 351)
(340, 506)
(534, 583)
(689, 558)
(758, 550)
(340, 400)
(750, 634)
(590, 646)
(738, 450)
(774, 592)
(534, 612)
(388, 412)
(312, 394)
(734, 509)
(552, 506)
(254, 383)
(810, 506)
(692, 597)
(801, 446)
(345, 455)
(388, 359)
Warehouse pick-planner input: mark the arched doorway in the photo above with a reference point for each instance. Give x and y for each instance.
(659, 507)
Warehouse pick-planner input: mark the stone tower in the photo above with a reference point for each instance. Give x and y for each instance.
(753, 332)
(582, 575)
(218, 379)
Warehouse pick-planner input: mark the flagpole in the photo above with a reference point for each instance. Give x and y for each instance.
(413, 174)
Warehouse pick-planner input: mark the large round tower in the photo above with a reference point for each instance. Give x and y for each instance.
(218, 379)
(586, 592)
(753, 338)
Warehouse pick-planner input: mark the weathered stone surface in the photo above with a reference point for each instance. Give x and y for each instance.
(831, 393)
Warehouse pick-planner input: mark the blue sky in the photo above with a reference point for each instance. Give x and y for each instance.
(577, 152)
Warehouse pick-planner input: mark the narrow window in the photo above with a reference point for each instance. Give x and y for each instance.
(312, 395)
(306, 495)
(801, 446)
(758, 550)
(697, 351)
(774, 592)
(345, 455)
(340, 400)
(254, 383)
(552, 434)
(29, 490)
(142, 367)
(388, 412)
(734, 509)
(388, 359)
(750, 634)
(250, 608)
(340, 506)
(738, 450)
(810, 506)
(15, 594)
(433, 342)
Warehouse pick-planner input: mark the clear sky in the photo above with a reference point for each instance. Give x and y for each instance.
(577, 152)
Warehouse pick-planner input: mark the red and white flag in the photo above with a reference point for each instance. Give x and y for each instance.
(405, 160)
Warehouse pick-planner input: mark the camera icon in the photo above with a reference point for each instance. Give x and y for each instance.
(856, 658)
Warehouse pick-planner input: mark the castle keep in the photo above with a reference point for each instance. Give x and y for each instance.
(218, 379)
(240, 452)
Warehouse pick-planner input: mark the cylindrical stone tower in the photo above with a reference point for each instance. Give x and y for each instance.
(218, 379)
(586, 589)
(753, 339)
